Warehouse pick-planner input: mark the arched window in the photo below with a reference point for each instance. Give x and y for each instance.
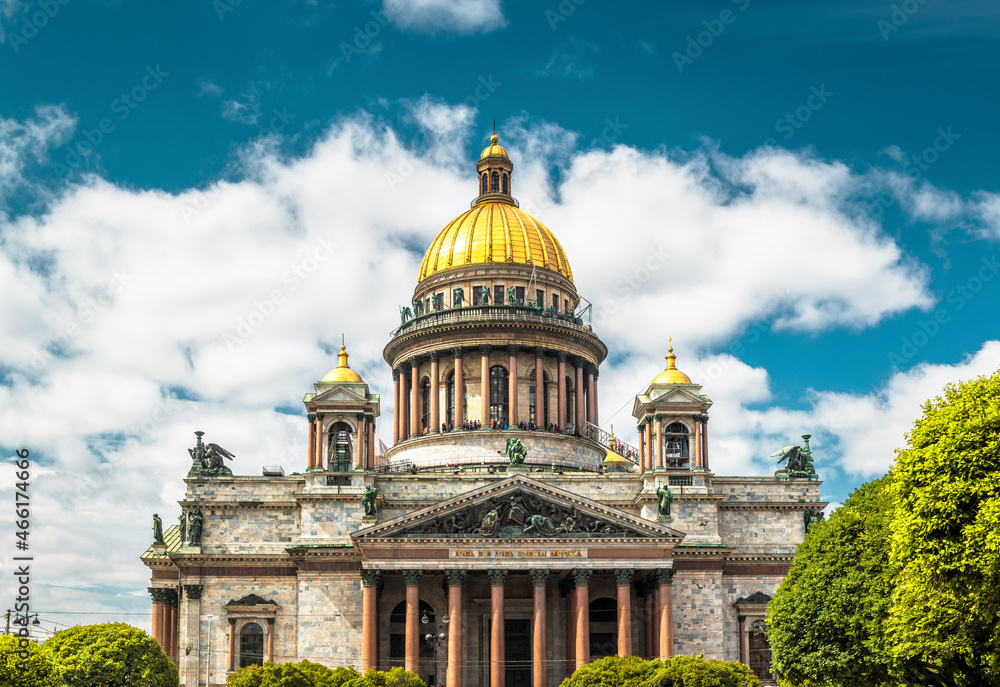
(494, 183)
(537, 404)
(340, 448)
(570, 404)
(251, 645)
(505, 182)
(450, 398)
(397, 632)
(425, 403)
(760, 650)
(603, 618)
(498, 393)
(675, 444)
(484, 182)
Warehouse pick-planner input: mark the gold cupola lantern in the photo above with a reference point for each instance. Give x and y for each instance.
(671, 375)
(342, 373)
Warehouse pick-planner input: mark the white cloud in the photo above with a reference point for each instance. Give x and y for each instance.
(569, 61)
(158, 314)
(51, 126)
(450, 16)
(245, 108)
(208, 87)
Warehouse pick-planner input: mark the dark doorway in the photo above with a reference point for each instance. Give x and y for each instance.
(517, 653)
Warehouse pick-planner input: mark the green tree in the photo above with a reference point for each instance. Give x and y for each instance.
(37, 669)
(827, 619)
(110, 655)
(944, 624)
(308, 674)
(686, 671)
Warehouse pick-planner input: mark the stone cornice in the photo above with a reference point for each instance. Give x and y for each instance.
(241, 505)
(772, 505)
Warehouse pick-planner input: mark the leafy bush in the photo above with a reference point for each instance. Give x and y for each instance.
(686, 671)
(308, 674)
(40, 672)
(110, 655)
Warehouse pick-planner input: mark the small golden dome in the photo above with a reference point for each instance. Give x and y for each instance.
(671, 375)
(342, 373)
(494, 149)
(494, 232)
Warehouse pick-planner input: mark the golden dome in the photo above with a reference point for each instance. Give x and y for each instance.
(342, 373)
(494, 232)
(494, 149)
(671, 375)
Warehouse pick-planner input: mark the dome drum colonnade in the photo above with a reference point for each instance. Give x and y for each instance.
(546, 359)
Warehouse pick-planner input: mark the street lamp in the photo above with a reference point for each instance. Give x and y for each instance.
(208, 655)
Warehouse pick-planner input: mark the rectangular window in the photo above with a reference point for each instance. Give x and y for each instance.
(555, 301)
(519, 295)
(539, 299)
(498, 298)
(566, 306)
(477, 295)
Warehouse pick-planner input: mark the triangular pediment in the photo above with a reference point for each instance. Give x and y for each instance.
(677, 395)
(339, 393)
(517, 508)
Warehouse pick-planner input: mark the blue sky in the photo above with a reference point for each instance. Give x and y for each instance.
(803, 195)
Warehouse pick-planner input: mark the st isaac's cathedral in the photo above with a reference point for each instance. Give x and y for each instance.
(505, 538)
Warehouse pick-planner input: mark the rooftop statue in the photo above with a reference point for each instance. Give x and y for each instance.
(404, 316)
(516, 451)
(799, 461)
(157, 529)
(457, 297)
(368, 500)
(208, 460)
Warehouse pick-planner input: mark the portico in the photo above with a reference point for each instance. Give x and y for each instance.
(504, 554)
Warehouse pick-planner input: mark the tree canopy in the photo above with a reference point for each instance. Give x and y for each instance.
(902, 584)
(110, 655)
(309, 674)
(36, 671)
(686, 671)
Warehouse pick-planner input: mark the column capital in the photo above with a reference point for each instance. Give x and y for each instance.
(497, 577)
(582, 577)
(512, 349)
(434, 356)
(311, 417)
(561, 356)
(665, 576)
(704, 419)
(624, 575)
(540, 577)
(192, 591)
(741, 618)
(579, 363)
(412, 577)
(641, 428)
(370, 578)
(320, 416)
(454, 577)
(404, 366)
(658, 417)
(360, 417)
(597, 372)
(158, 594)
(539, 351)
(232, 622)
(415, 361)
(395, 374)
(485, 349)
(457, 351)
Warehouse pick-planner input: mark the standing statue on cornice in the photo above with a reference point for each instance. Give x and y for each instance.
(157, 529)
(664, 497)
(404, 316)
(457, 297)
(368, 500)
(511, 296)
(516, 451)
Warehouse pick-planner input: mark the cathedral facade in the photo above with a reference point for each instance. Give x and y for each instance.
(505, 538)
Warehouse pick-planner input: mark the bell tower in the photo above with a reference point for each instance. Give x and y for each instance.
(495, 169)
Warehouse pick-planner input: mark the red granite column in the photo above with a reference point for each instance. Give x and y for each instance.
(597, 407)
(561, 408)
(665, 577)
(312, 444)
(395, 402)
(512, 418)
(459, 386)
(435, 394)
(591, 397)
(649, 444)
(415, 410)
(157, 624)
(623, 578)
(412, 656)
(270, 641)
(404, 431)
(578, 409)
(582, 615)
(659, 442)
(369, 619)
(318, 456)
(539, 630)
(704, 442)
(697, 441)
(570, 663)
(453, 674)
(370, 461)
(362, 449)
(642, 449)
(540, 396)
(172, 628)
(497, 667)
(484, 385)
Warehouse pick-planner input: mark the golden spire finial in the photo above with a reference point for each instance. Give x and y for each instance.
(670, 354)
(494, 138)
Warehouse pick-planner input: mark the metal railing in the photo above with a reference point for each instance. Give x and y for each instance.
(488, 313)
(625, 450)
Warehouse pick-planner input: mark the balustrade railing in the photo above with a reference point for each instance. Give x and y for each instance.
(625, 450)
(489, 313)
